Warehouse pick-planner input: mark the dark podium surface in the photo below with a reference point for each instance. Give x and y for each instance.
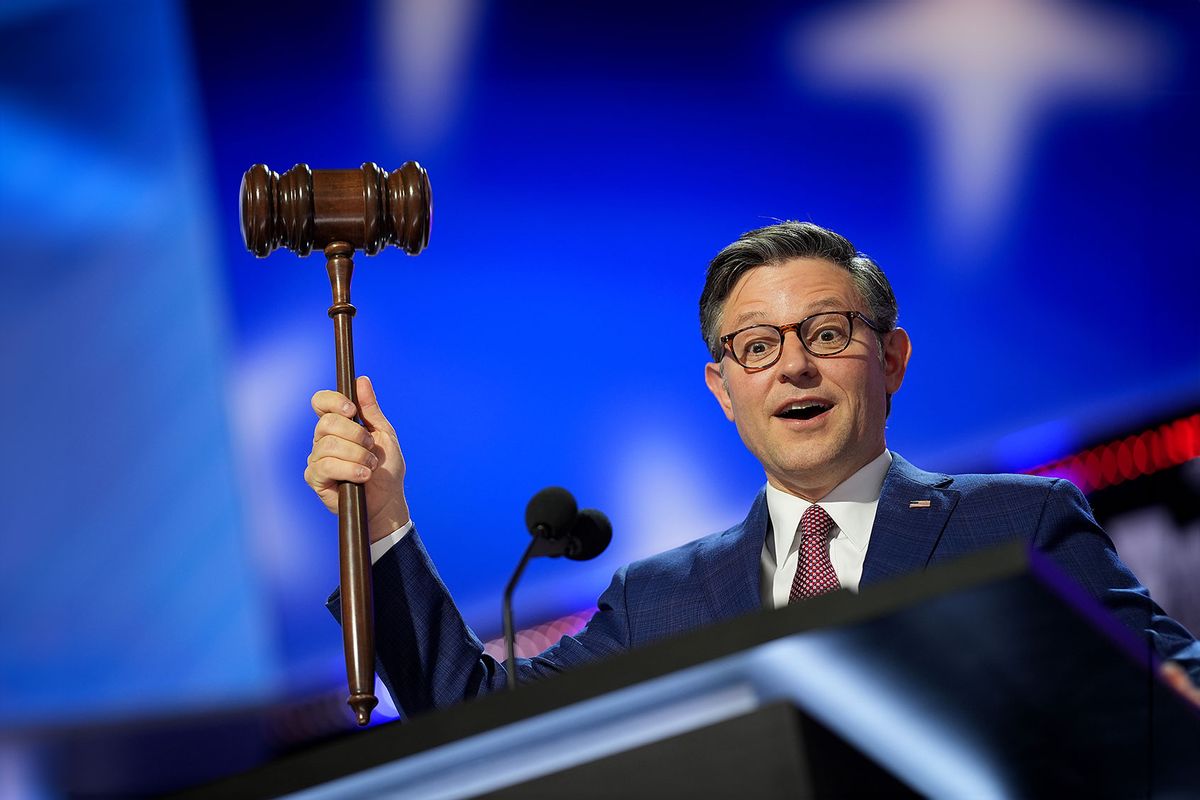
(991, 677)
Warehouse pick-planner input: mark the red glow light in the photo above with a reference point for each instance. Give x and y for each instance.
(1145, 453)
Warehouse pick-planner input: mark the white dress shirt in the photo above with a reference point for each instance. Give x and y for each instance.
(851, 505)
(385, 544)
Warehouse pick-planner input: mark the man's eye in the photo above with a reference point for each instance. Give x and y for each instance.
(757, 350)
(828, 338)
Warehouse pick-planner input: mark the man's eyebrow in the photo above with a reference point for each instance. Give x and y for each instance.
(827, 304)
(748, 316)
(823, 304)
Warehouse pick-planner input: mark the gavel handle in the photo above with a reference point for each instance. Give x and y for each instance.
(358, 623)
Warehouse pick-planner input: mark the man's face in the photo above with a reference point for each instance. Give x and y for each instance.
(808, 457)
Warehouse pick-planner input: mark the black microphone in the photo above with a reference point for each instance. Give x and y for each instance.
(551, 512)
(558, 528)
(589, 536)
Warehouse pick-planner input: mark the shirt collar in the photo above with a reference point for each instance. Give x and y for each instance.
(851, 505)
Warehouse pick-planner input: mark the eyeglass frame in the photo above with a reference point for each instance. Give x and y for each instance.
(795, 326)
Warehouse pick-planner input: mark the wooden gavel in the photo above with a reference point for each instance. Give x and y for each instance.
(342, 210)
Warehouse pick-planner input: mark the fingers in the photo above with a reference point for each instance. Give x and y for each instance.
(372, 414)
(328, 401)
(322, 473)
(334, 459)
(339, 427)
(340, 449)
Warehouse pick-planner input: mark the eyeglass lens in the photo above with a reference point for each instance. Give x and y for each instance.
(823, 334)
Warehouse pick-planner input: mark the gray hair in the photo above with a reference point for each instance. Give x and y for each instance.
(776, 244)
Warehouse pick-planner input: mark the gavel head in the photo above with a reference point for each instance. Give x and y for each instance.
(367, 208)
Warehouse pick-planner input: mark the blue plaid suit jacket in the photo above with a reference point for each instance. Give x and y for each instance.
(429, 658)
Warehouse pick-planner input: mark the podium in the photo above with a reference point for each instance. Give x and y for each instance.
(995, 676)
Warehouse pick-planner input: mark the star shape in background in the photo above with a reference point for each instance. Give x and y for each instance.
(984, 74)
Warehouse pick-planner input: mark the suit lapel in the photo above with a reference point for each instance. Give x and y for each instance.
(906, 530)
(729, 566)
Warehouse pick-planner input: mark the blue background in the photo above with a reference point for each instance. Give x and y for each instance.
(1025, 172)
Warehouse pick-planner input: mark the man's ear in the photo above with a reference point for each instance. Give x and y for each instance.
(718, 387)
(896, 352)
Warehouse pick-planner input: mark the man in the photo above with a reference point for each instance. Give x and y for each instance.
(807, 355)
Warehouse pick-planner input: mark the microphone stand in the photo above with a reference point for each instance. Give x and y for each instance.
(558, 528)
(538, 547)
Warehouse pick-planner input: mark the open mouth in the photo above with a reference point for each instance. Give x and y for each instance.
(806, 410)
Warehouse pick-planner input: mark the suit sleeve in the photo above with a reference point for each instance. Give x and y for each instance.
(1070, 535)
(429, 658)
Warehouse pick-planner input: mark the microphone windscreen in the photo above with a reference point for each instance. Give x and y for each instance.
(590, 536)
(550, 512)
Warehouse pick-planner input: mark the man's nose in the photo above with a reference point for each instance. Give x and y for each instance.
(795, 362)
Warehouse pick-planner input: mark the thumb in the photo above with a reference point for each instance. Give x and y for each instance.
(368, 405)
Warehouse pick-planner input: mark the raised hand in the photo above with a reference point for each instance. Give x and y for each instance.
(369, 454)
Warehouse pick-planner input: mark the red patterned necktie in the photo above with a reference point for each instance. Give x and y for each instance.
(814, 570)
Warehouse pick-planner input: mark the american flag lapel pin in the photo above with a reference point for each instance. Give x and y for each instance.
(918, 504)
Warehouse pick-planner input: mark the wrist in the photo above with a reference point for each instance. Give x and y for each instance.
(387, 521)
